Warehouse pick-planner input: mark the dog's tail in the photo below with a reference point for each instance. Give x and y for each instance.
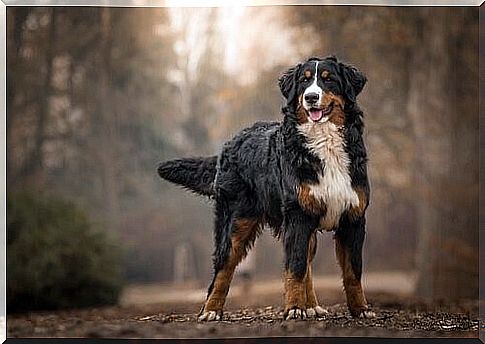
(195, 174)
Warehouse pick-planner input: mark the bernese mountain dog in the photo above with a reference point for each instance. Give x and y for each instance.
(304, 174)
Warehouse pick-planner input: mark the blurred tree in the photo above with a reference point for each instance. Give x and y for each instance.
(24, 102)
(443, 104)
(198, 75)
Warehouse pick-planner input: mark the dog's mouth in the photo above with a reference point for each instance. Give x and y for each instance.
(320, 114)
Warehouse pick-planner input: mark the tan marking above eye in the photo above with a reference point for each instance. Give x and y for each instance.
(308, 74)
(325, 74)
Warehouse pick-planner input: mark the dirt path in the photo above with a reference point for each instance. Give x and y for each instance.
(146, 322)
(170, 312)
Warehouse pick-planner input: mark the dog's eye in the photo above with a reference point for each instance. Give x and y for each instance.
(325, 75)
(304, 78)
(308, 74)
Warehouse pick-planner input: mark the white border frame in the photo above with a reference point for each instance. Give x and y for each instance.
(3, 170)
(151, 3)
(225, 3)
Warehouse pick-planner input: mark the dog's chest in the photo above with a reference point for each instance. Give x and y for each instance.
(333, 189)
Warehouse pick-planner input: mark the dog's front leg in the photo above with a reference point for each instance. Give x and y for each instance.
(298, 228)
(313, 309)
(349, 239)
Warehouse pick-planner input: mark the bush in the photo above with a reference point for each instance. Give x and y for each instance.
(55, 258)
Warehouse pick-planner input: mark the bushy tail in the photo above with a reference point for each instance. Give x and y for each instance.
(195, 174)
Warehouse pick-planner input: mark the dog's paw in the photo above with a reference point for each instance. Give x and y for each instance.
(210, 316)
(362, 313)
(367, 314)
(316, 312)
(296, 313)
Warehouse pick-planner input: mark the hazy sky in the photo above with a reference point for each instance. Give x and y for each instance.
(248, 38)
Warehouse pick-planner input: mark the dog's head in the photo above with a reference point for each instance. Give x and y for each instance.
(320, 88)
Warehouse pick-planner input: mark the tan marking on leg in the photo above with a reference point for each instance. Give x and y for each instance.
(353, 288)
(363, 202)
(246, 231)
(311, 296)
(295, 292)
(217, 298)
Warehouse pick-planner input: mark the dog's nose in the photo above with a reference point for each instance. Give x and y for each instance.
(311, 98)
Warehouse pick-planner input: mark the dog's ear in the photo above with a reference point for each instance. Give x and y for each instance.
(353, 81)
(288, 83)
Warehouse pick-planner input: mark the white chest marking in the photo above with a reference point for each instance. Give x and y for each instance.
(334, 188)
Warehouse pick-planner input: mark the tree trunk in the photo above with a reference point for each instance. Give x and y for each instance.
(31, 172)
(443, 104)
(16, 18)
(104, 123)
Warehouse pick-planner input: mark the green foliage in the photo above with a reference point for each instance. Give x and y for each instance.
(55, 258)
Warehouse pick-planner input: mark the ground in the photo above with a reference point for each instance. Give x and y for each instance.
(171, 312)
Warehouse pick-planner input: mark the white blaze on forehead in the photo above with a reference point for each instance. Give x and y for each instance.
(316, 73)
(314, 88)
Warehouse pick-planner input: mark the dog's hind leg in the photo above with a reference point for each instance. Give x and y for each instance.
(298, 229)
(349, 239)
(312, 307)
(231, 248)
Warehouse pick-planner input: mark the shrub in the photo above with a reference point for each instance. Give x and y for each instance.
(55, 258)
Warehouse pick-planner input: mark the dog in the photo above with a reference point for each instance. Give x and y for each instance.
(298, 176)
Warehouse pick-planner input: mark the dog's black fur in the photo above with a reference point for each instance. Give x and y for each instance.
(257, 173)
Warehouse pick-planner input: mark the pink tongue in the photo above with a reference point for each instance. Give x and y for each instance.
(316, 115)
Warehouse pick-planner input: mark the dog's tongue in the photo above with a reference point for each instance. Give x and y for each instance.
(316, 115)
